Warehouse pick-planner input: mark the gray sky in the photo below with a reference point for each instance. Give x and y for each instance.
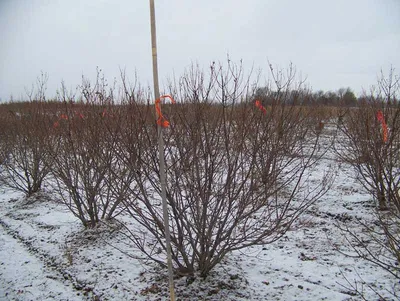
(335, 43)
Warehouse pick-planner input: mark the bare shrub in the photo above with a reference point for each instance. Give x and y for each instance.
(235, 176)
(84, 156)
(374, 153)
(374, 157)
(24, 136)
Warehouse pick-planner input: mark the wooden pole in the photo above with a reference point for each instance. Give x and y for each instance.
(161, 154)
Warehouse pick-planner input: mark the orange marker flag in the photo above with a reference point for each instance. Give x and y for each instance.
(381, 119)
(56, 124)
(160, 118)
(260, 107)
(79, 114)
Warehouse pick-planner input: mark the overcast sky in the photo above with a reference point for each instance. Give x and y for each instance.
(335, 43)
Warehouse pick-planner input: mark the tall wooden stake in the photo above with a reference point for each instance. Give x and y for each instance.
(161, 153)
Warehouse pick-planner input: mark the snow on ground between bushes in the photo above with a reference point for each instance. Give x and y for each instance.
(45, 254)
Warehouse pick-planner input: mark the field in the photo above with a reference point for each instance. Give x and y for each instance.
(46, 253)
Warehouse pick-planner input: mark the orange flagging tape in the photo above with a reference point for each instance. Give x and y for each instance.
(260, 107)
(79, 114)
(56, 124)
(160, 118)
(381, 119)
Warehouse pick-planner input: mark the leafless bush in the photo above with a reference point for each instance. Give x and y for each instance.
(372, 146)
(24, 135)
(373, 153)
(235, 176)
(84, 159)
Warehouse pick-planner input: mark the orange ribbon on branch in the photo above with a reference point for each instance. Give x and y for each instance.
(79, 114)
(260, 107)
(381, 119)
(160, 118)
(56, 124)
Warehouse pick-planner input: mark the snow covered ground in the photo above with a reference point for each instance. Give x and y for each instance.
(45, 254)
